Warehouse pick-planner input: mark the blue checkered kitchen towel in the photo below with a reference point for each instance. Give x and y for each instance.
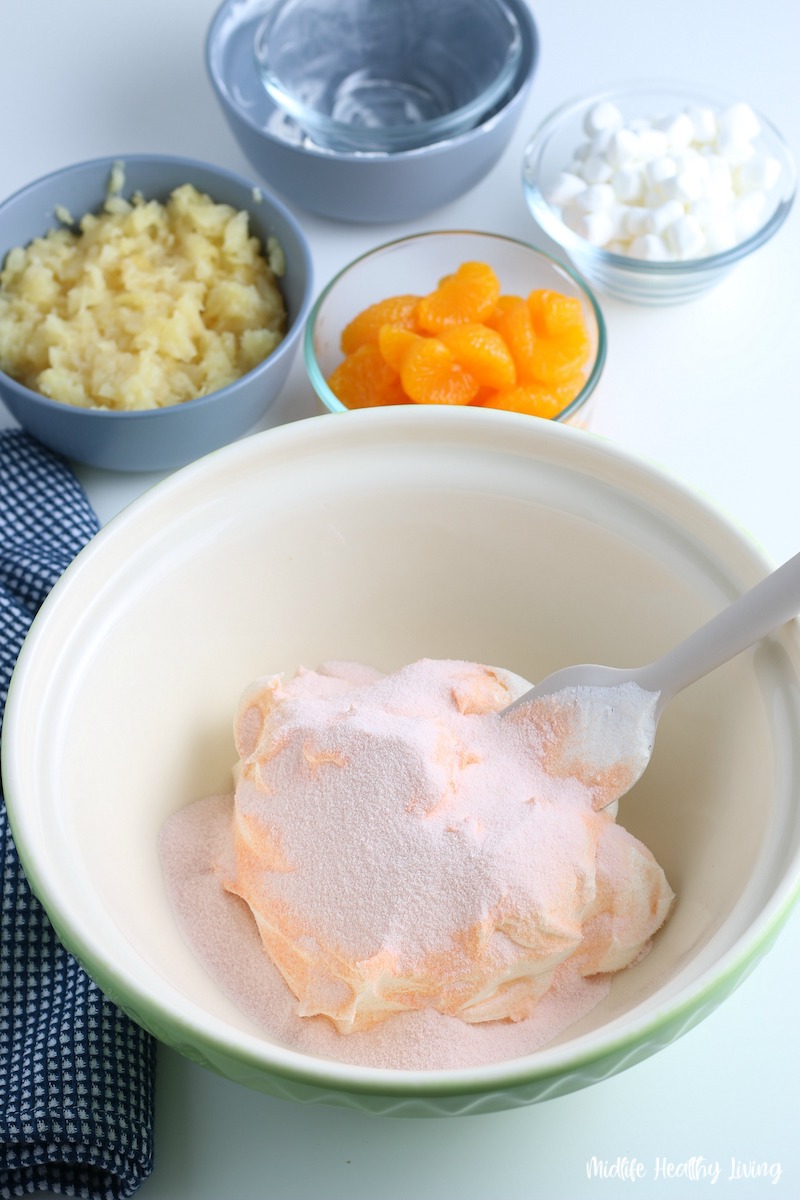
(76, 1076)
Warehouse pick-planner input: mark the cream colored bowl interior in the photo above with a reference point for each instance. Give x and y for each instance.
(385, 537)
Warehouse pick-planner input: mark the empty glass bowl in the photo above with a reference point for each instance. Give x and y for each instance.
(378, 75)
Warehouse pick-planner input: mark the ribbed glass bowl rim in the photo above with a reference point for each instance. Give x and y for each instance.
(555, 228)
(334, 405)
(407, 137)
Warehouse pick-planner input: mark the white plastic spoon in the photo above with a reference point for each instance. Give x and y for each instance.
(758, 612)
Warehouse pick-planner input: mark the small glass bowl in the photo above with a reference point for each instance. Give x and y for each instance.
(414, 265)
(551, 150)
(359, 76)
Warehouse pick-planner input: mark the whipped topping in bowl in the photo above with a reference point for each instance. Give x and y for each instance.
(405, 851)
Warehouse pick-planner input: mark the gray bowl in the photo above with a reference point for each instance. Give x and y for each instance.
(164, 438)
(363, 187)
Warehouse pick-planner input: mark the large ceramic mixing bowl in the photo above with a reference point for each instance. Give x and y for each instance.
(387, 537)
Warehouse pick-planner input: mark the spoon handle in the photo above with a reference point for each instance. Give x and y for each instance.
(758, 612)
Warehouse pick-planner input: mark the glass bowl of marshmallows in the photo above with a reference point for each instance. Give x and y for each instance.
(655, 191)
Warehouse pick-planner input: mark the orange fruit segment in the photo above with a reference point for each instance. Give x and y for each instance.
(365, 380)
(533, 399)
(512, 320)
(553, 314)
(366, 326)
(536, 399)
(431, 375)
(571, 388)
(394, 342)
(468, 296)
(483, 395)
(555, 359)
(483, 352)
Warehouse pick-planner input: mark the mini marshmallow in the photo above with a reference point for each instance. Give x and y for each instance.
(709, 213)
(596, 228)
(635, 221)
(601, 141)
(687, 186)
(679, 131)
(564, 188)
(739, 123)
(693, 160)
(720, 180)
(653, 143)
(657, 170)
(627, 183)
(748, 214)
(704, 124)
(651, 247)
(699, 170)
(760, 173)
(653, 198)
(623, 148)
(596, 169)
(685, 238)
(733, 149)
(659, 218)
(602, 116)
(619, 216)
(595, 198)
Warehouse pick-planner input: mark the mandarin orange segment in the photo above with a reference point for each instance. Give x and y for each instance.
(512, 320)
(483, 394)
(468, 296)
(571, 388)
(365, 328)
(504, 304)
(365, 380)
(483, 352)
(553, 314)
(555, 359)
(533, 399)
(431, 375)
(394, 342)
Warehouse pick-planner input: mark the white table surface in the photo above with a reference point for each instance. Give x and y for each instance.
(710, 390)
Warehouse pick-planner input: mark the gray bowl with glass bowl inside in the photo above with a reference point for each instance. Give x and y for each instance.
(355, 185)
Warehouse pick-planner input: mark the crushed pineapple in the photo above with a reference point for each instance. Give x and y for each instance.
(146, 306)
